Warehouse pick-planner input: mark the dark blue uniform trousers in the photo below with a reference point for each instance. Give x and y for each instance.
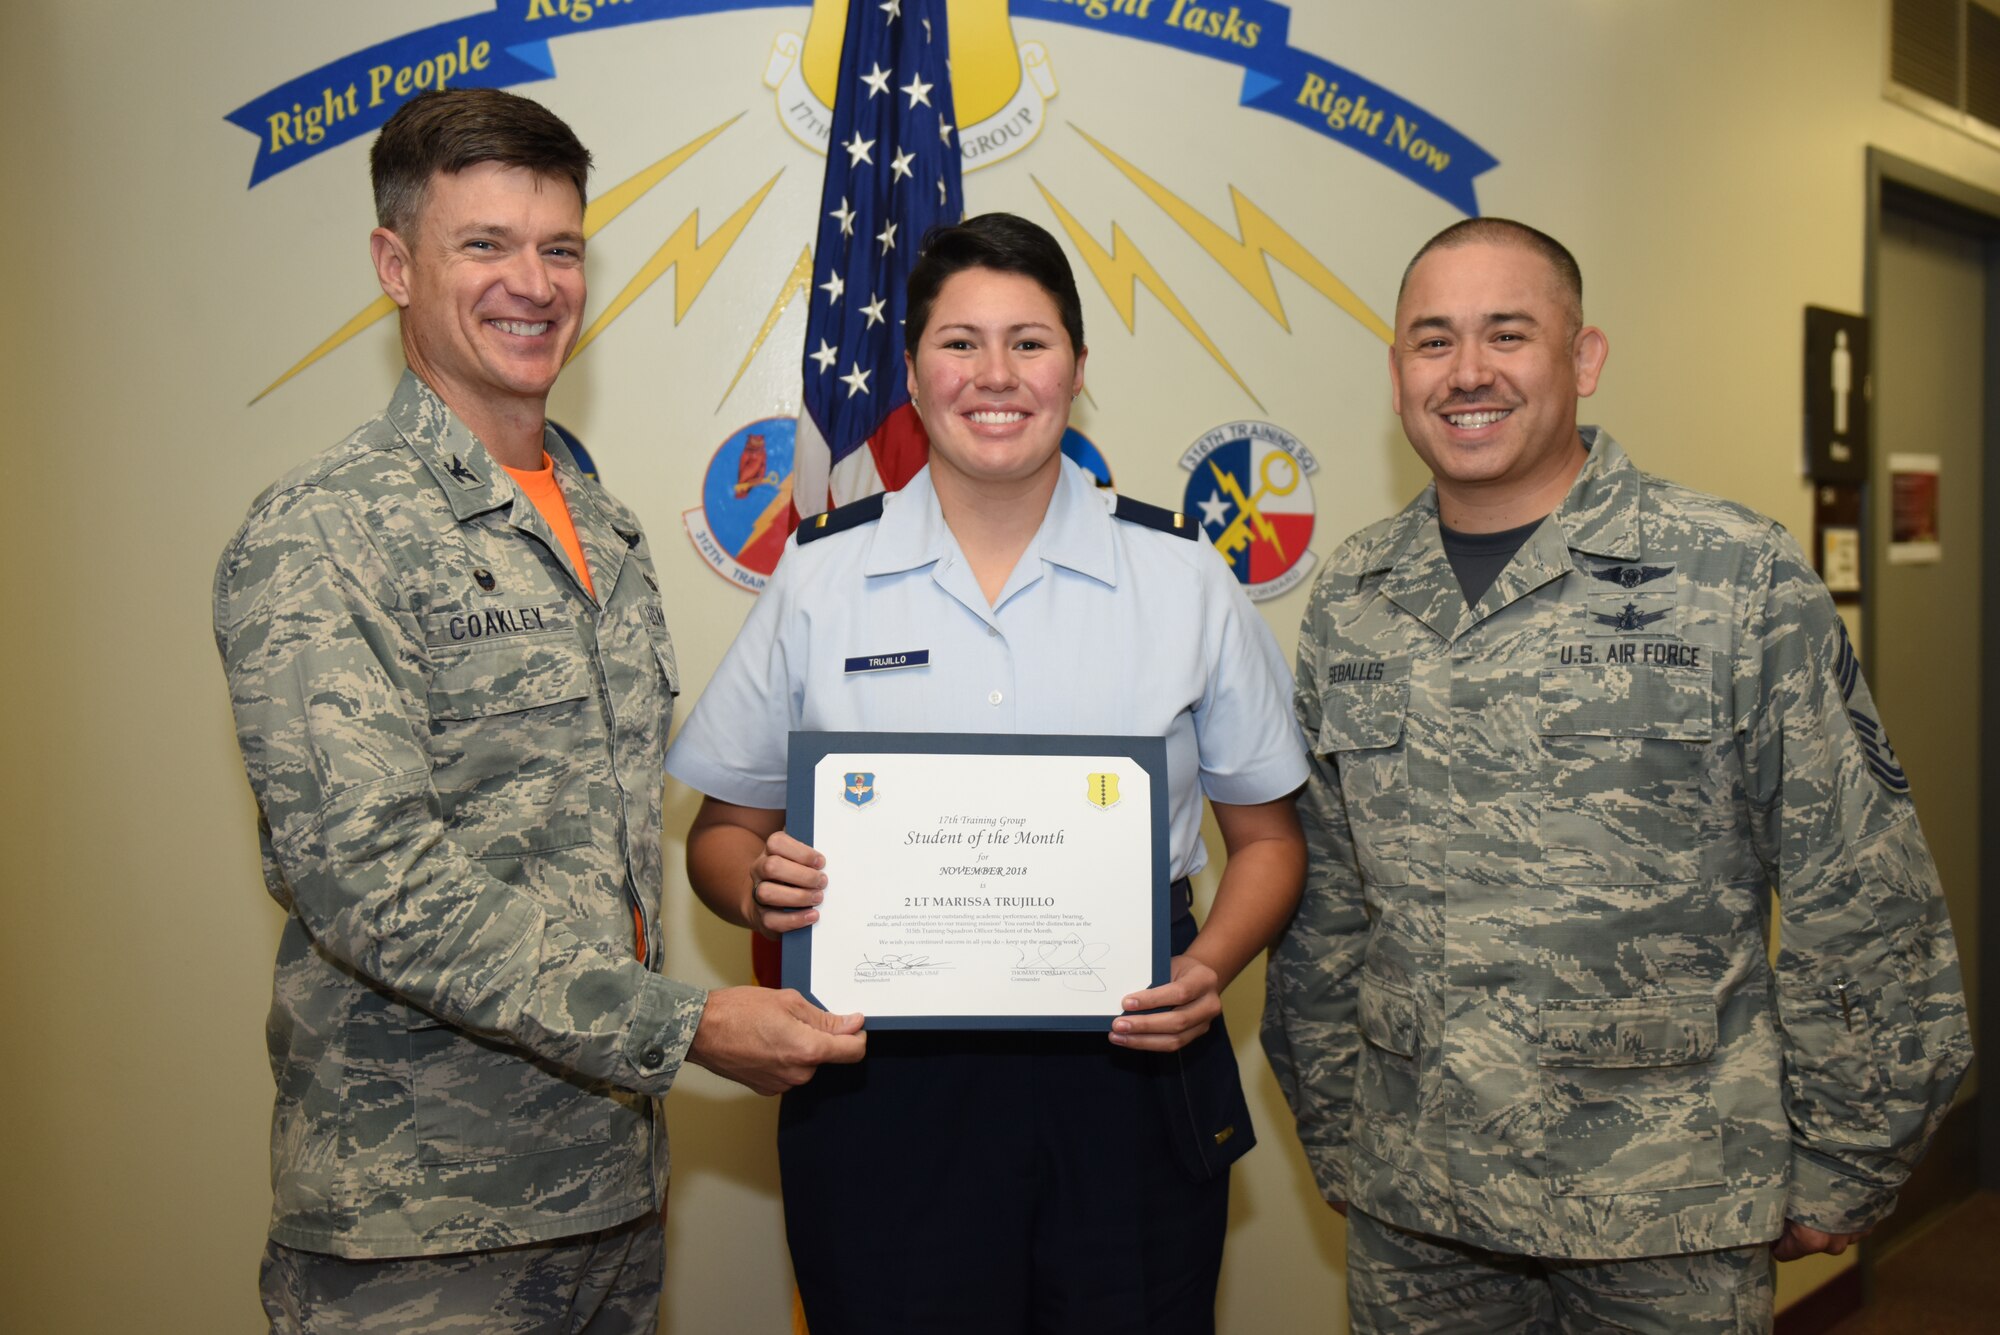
(980, 1183)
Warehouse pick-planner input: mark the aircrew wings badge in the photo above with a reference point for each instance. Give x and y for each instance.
(1631, 577)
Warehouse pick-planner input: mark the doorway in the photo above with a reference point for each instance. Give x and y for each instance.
(1931, 627)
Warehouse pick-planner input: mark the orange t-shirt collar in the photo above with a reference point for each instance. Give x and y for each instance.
(541, 487)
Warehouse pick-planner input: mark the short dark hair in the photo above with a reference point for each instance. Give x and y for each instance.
(1507, 232)
(1005, 243)
(450, 129)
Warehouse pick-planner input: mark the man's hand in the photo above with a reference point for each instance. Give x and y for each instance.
(772, 1040)
(1803, 1240)
(786, 882)
(1194, 993)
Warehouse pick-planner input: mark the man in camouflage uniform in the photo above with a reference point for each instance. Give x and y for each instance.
(1572, 724)
(454, 717)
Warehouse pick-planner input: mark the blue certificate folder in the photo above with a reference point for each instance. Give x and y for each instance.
(807, 749)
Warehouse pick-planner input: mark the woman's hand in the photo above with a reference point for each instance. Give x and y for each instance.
(1193, 996)
(786, 885)
(1259, 889)
(750, 872)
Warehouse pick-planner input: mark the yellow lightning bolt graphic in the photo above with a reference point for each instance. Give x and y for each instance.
(697, 261)
(364, 317)
(1120, 271)
(627, 193)
(1246, 510)
(795, 283)
(774, 513)
(1246, 259)
(601, 211)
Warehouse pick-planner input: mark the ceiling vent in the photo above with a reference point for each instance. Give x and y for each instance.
(1944, 61)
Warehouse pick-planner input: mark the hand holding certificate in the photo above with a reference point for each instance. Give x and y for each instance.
(985, 881)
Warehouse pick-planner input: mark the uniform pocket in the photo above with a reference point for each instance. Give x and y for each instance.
(508, 677)
(1837, 1089)
(1208, 1119)
(1756, 1295)
(1622, 748)
(1386, 1077)
(1201, 1092)
(1626, 1098)
(511, 729)
(663, 649)
(479, 1100)
(1362, 718)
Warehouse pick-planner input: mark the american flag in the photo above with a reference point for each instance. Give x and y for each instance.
(892, 173)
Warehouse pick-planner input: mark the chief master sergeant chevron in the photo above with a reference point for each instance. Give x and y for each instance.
(1571, 724)
(452, 683)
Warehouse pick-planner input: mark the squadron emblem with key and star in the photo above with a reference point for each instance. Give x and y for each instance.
(1249, 488)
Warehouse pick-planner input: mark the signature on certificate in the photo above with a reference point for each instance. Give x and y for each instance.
(1068, 957)
(888, 966)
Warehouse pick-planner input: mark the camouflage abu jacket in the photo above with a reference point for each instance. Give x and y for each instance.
(1527, 1000)
(456, 755)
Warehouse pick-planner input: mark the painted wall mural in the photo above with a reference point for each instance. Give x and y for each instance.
(1248, 480)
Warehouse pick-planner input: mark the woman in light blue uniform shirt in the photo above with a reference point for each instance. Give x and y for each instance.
(976, 1182)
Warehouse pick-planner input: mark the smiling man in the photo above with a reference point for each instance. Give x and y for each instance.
(1571, 725)
(452, 682)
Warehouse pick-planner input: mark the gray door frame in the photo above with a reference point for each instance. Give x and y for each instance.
(1911, 189)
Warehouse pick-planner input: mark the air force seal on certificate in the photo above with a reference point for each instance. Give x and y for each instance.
(1101, 790)
(1251, 484)
(858, 787)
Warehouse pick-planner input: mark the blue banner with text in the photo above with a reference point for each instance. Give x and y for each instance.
(509, 45)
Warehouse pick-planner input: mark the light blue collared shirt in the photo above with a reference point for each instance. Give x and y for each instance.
(1104, 627)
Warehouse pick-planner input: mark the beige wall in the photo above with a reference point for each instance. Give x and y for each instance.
(1704, 159)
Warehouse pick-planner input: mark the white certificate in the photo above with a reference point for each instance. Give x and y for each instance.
(985, 881)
